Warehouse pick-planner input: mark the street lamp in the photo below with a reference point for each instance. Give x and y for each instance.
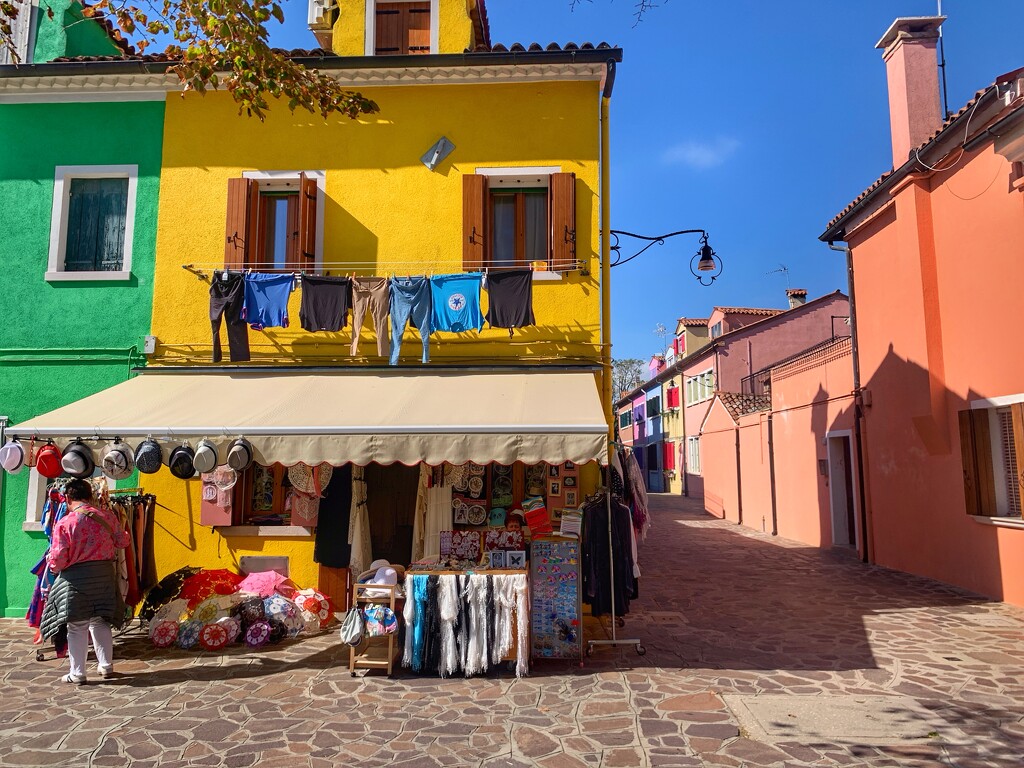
(708, 265)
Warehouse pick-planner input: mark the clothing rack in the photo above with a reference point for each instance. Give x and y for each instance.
(615, 641)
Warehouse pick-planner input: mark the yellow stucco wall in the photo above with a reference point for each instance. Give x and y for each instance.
(382, 206)
(454, 30)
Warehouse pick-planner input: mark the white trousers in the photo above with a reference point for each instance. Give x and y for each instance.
(78, 644)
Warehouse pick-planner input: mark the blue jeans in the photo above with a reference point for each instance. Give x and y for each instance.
(410, 300)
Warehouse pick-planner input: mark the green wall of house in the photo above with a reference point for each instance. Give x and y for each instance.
(67, 33)
(62, 341)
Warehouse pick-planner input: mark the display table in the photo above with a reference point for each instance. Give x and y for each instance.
(374, 652)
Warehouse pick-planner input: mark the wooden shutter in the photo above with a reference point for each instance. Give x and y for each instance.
(309, 194)
(417, 28)
(669, 454)
(1017, 414)
(388, 35)
(243, 199)
(976, 455)
(474, 222)
(563, 221)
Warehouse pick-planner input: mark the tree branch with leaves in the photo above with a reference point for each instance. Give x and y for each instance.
(219, 44)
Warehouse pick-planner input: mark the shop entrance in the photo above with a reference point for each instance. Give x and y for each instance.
(391, 504)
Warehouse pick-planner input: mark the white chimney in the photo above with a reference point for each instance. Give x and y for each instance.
(912, 70)
(796, 296)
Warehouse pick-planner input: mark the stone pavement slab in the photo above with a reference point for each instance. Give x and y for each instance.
(877, 668)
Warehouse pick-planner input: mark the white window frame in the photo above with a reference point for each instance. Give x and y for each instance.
(371, 24)
(992, 405)
(713, 328)
(693, 455)
(63, 174)
(37, 499)
(701, 386)
(533, 177)
(280, 181)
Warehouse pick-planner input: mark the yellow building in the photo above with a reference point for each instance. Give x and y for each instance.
(481, 159)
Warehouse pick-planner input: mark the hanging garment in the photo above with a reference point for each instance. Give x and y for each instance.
(359, 524)
(332, 548)
(419, 594)
(227, 296)
(266, 300)
(504, 616)
(373, 294)
(510, 299)
(476, 654)
(432, 635)
(419, 518)
(411, 619)
(599, 578)
(410, 300)
(325, 301)
(638, 494)
(438, 518)
(448, 594)
(521, 589)
(456, 302)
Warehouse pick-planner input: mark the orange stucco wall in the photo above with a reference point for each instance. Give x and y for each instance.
(938, 283)
(811, 398)
(718, 459)
(755, 472)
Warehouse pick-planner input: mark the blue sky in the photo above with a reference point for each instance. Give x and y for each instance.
(756, 121)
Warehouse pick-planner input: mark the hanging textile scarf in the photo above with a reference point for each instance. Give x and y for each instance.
(448, 592)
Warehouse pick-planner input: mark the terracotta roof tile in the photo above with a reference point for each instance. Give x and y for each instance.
(537, 47)
(688, 321)
(749, 311)
(481, 25)
(740, 405)
(112, 32)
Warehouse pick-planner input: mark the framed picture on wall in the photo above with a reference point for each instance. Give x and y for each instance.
(515, 559)
(569, 482)
(497, 558)
(569, 466)
(570, 499)
(554, 470)
(554, 488)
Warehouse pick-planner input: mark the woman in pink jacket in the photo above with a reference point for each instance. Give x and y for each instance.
(85, 594)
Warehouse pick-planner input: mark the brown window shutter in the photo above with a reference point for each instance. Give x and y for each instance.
(417, 28)
(309, 194)
(474, 221)
(243, 194)
(563, 221)
(976, 456)
(1017, 410)
(388, 35)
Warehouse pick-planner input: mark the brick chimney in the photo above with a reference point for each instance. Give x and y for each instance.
(797, 297)
(912, 71)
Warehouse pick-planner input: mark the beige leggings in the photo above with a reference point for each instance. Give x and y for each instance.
(372, 292)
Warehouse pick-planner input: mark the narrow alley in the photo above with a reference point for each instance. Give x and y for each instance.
(760, 652)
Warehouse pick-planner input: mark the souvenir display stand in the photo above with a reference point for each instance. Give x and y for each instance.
(556, 613)
(368, 655)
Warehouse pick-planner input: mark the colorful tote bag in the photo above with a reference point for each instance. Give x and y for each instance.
(380, 621)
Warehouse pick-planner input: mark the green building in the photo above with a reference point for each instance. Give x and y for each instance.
(79, 184)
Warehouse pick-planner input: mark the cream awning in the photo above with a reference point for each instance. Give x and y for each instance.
(341, 417)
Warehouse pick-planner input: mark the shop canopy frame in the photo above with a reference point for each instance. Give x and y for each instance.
(340, 416)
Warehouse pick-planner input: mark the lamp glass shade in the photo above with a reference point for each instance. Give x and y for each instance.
(707, 259)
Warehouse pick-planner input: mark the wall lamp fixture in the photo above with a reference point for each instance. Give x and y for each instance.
(708, 264)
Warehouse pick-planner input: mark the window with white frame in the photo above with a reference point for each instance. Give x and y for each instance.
(401, 27)
(716, 330)
(700, 387)
(992, 451)
(38, 490)
(693, 455)
(93, 222)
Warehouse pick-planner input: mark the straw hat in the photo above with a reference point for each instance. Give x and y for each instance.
(378, 569)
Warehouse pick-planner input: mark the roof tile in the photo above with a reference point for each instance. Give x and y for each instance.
(763, 312)
(740, 405)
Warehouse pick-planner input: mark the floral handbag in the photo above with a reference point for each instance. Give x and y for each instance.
(380, 621)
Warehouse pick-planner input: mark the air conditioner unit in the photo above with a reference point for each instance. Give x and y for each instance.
(318, 9)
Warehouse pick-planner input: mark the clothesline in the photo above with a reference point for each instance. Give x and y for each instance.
(372, 267)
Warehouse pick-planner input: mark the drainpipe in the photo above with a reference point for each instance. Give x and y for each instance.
(606, 269)
(771, 477)
(739, 480)
(866, 529)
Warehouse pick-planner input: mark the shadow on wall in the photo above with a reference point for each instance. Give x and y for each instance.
(915, 481)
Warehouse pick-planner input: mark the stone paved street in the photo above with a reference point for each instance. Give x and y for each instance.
(760, 653)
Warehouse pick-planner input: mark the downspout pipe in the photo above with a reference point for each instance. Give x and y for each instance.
(867, 533)
(606, 268)
(739, 479)
(771, 477)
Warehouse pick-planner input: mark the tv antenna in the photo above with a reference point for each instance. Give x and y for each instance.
(661, 332)
(783, 269)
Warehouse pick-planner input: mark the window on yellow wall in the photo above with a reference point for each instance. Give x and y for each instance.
(272, 221)
(401, 28)
(515, 217)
